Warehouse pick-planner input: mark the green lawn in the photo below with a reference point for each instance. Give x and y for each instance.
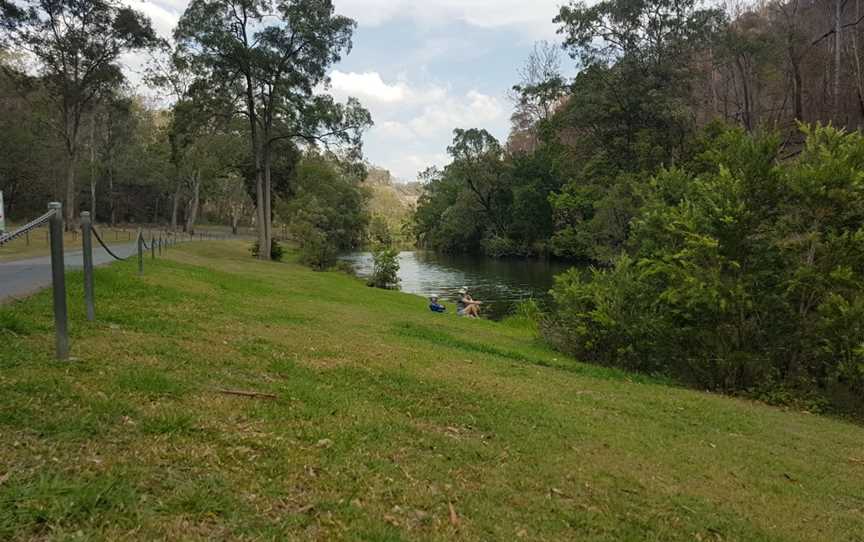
(390, 423)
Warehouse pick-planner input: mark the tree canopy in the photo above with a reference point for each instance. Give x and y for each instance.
(267, 58)
(76, 45)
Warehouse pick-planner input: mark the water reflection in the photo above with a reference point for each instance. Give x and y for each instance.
(499, 283)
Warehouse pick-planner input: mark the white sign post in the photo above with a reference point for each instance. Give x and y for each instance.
(2, 215)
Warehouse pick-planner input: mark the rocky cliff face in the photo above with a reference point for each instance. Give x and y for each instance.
(391, 198)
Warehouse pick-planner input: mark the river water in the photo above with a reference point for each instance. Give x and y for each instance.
(499, 283)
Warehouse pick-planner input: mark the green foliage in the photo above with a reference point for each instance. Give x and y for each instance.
(379, 231)
(277, 251)
(527, 314)
(386, 268)
(597, 319)
(327, 214)
(75, 48)
(391, 205)
(446, 217)
(570, 182)
(316, 248)
(287, 47)
(485, 201)
(747, 275)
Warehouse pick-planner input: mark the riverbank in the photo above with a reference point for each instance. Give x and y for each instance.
(500, 283)
(388, 423)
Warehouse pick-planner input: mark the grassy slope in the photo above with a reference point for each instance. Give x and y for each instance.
(386, 415)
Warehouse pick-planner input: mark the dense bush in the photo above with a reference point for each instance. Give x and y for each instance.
(380, 232)
(486, 200)
(327, 213)
(317, 250)
(277, 252)
(746, 272)
(386, 268)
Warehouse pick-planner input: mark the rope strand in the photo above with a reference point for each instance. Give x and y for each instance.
(108, 250)
(33, 224)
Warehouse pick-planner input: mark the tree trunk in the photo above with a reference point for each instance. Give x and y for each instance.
(745, 87)
(194, 203)
(263, 254)
(93, 167)
(797, 86)
(268, 198)
(175, 206)
(70, 186)
(111, 195)
(837, 49)
(859, 77)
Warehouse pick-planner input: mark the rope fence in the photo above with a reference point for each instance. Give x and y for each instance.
(26, 228)
(54, 218)
(104, 246)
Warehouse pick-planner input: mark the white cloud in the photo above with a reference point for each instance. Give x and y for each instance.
(163, 14)
(414, 122)
(370, 87)
(474, 109)
(532, 17)
(367, 85)
(393, 130)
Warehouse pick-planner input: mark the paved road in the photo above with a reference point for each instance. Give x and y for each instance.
(21, 277)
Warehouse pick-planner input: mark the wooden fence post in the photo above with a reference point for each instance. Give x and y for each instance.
(58, 282)
(87, 246)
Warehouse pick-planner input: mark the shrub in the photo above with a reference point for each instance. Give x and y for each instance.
(386, 268)
(526, 314)
(327, 212)
(342, 266)
(277, 252)
(747, 274)
(317, 249)
(528, 309)
(605, 317)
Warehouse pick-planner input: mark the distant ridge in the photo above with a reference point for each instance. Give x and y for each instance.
(386, 192)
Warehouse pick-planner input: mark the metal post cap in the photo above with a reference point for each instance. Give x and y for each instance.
(85, 213)
(55, 205)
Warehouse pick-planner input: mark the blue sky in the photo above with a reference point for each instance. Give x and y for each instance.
(424, 68)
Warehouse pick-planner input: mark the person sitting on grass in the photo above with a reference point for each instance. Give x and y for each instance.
(434, 306)
(467, 306)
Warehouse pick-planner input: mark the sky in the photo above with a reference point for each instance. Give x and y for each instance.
(423, 68)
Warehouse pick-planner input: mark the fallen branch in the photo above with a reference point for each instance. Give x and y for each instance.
(247, 393)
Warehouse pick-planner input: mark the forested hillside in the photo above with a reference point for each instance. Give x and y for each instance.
(391, 205)
(709, 163)
(652, 77)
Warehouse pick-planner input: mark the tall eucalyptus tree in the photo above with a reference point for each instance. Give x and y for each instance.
(75, 45)
(270, 57)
